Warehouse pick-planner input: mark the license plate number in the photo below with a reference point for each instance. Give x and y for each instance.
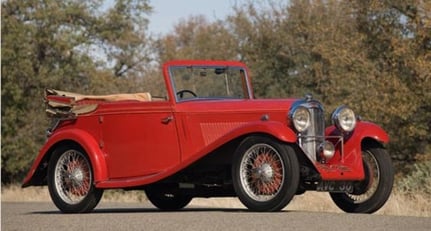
(335, 186)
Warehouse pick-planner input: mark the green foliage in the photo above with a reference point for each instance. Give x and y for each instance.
(196, 38)
(58, 44)
(417, 180)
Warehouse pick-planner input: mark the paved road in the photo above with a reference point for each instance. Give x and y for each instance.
(131, 216)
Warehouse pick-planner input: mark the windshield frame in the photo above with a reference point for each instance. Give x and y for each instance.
(245, 85)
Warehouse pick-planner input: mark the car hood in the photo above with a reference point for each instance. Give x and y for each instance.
(235, 105)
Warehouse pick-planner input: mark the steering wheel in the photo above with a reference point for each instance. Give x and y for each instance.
(181, 93)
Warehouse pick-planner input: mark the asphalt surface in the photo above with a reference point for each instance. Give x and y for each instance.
(133, 216)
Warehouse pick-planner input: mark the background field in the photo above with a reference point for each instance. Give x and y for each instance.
(399, 204)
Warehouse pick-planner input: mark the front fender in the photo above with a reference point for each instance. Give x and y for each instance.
(363, 130)
(273, 128)
(351, 160)
(370, 130)
(84, 139)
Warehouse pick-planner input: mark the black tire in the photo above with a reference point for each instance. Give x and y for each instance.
(71, 181)
(372, 193)
(165, 200)
(265, 173)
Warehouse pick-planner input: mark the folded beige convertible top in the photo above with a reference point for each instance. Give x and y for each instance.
(145, 96)
(65, 104)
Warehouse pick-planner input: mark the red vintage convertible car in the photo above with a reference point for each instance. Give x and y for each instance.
(209, 137)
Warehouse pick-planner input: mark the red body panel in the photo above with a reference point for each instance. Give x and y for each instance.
(135, 140)
(212, 123)
(202, 126)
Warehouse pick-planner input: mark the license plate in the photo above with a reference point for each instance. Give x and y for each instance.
(335, 186)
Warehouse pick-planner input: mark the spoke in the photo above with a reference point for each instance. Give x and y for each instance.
(262, 172)
(72, 176)
(373, 181)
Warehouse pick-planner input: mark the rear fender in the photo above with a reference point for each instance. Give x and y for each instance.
(78, 136)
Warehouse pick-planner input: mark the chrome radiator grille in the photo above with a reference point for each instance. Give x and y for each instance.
(314, 136)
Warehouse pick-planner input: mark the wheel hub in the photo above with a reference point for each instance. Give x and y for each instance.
(264, 172)
(76, 178)
(77, 175)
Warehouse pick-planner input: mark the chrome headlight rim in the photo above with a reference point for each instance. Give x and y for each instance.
(301, 118)
(326, 150)
(344, 119)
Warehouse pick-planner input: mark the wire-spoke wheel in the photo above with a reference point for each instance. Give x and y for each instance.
(261, 172)
(71, 181)
(372, 193)
(265, 173)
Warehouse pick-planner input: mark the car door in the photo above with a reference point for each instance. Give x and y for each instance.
(140, 140)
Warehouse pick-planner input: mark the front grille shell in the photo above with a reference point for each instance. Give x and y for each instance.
(310, 139)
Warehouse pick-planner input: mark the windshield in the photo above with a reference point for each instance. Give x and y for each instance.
(209, 82)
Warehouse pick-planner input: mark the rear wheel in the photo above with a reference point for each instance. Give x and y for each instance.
(372, 193)
(265, 173)
(70, 181)
(166, 200)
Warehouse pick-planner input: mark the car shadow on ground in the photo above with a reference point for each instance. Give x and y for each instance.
(155, 210)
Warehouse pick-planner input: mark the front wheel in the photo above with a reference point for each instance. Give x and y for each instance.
(265, 173)
(372, 193)
(70, 181)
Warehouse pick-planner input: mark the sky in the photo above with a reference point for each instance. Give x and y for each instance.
(167, 13)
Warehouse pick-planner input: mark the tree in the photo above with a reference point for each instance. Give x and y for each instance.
(196, 38)
(70, 45)
(398, 42)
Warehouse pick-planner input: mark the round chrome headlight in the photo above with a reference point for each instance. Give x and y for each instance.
(301, 118)
(344, 119)
(327, 150)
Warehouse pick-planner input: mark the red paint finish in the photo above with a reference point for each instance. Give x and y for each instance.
(139, 143)
(212, 123)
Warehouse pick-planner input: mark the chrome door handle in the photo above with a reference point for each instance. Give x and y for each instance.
(167, 119)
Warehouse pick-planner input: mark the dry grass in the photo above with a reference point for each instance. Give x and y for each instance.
(399, 204)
